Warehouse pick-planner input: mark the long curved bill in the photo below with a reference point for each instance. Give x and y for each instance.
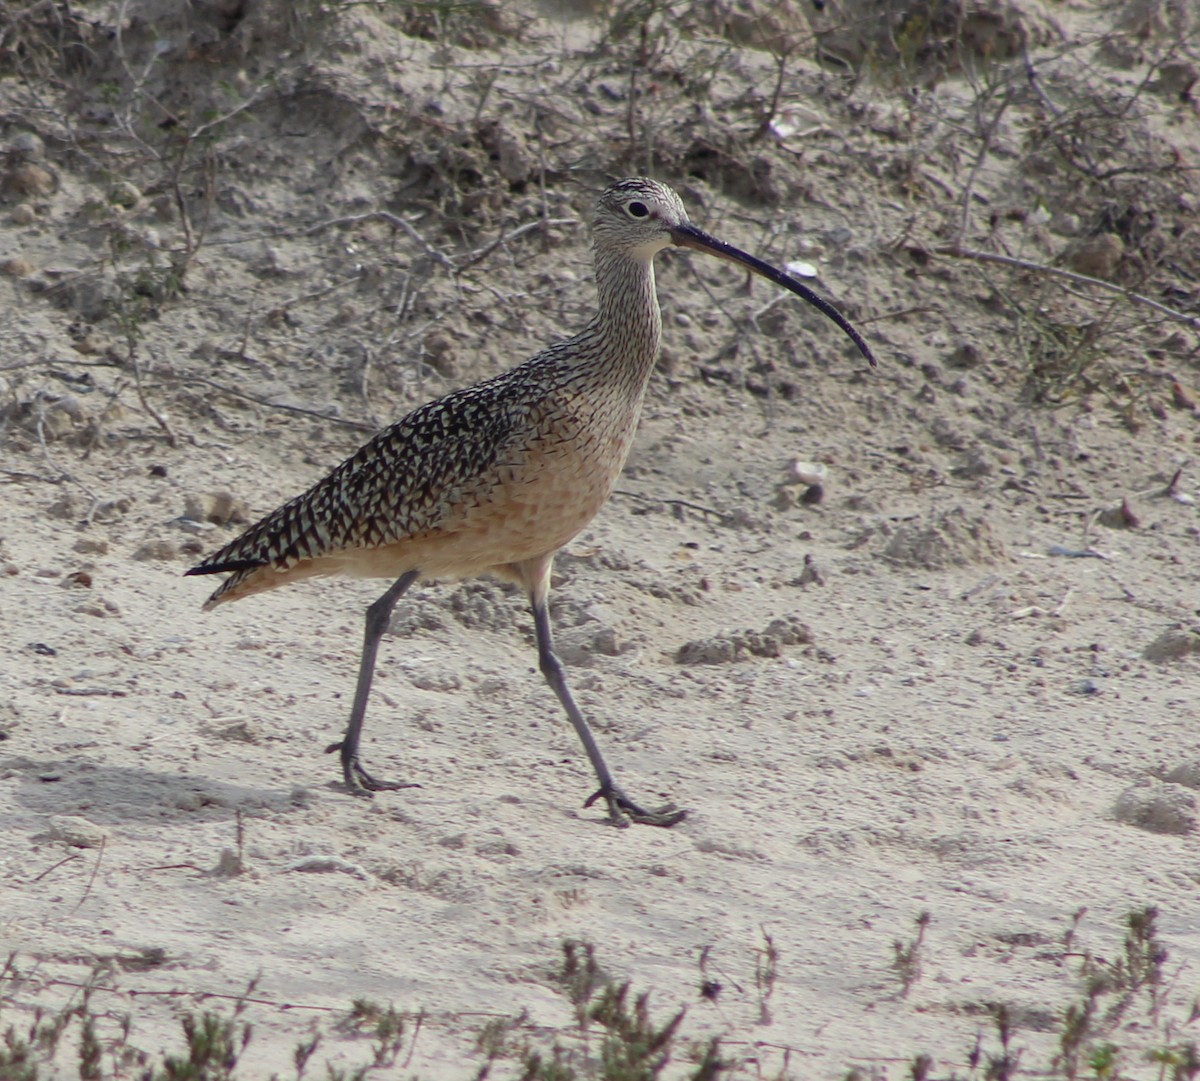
(688, 236)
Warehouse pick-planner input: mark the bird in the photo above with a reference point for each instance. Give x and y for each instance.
(496, 477)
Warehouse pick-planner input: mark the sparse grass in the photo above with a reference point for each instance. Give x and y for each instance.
(616, 1036)
(1090, 1038)
(906, 956)
(766, 972)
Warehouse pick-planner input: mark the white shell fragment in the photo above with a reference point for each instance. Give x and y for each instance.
(810, 472)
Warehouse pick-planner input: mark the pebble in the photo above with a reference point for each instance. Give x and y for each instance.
(721, 649)
(811, 574)
(810, 472)
(229, 865)
(947, 540)
(155, 550)
(1176, 79)
(1158, 808)
(72, 507)
(1097, 256)
(220, 508)
(965, 355)
(190, 525)
(579, 646)
(29, 178)
(1173, 644)
(76, 831)
(1187, 775)
(101, 609)
(328, 864)
(27, 146)
(1122, 516)
(124, 194)
(441, 354)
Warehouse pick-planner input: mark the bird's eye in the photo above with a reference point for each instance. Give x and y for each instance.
(638, 210)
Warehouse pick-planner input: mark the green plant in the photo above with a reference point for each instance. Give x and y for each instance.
(634, 1048)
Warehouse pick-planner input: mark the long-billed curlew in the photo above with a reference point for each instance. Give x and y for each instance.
(495, 478)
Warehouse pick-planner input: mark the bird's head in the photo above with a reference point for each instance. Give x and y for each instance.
(636, 216)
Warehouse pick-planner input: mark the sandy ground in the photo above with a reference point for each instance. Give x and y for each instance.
(967, 723)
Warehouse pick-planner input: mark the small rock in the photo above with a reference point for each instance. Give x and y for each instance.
(950, 540)
(72, 507)
(809, 472)
(155, 549)
(91, 546)
(1183, 397)
(441, 681)
(441, 354)
(16, 267)
(323, 865)
(229, 865)
(965, 355)
(101, 609)
(1065, 223)
(27, 146)
(722, 649)
(124, 194)
(508, 149)
(1097, 256)
(23, 214)
(1176, 78)
(811, 574)
(1187, 775)
(76, 831)
(238, 732)
(190, 525)
(579, 646)
(28, 178)
(1158, 808)
(220, 508)
(1173, 644)
(1120, 517)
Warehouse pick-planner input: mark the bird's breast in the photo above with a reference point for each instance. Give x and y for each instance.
(548, 483)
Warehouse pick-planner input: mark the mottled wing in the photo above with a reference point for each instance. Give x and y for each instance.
(405, 481)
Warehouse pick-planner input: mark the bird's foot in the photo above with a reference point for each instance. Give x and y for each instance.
(358, 780)
(622, 810)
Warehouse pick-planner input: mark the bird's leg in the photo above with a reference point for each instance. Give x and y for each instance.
(620, 806)
(358, 780)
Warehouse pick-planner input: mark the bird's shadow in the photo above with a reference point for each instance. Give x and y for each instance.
(115, 795)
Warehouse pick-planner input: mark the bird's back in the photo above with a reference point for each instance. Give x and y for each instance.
(493, 474)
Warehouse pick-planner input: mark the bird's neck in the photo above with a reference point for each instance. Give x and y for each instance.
(628, 322)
